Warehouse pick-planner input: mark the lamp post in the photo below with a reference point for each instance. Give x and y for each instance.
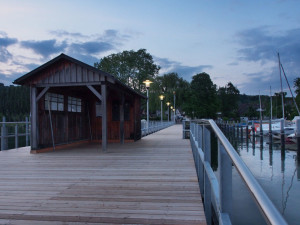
(174, 105)
(171, 111)
(161, 108)
(168, 103)
(147, 83)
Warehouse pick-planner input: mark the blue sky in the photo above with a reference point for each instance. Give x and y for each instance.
(231, 40)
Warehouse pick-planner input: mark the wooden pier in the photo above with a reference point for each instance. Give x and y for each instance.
(152, 181)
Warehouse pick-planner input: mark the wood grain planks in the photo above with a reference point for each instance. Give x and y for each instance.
(152, 181)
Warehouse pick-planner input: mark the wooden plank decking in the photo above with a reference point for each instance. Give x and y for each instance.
(152, 181)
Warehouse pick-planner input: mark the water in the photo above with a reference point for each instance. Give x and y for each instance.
(277, 171)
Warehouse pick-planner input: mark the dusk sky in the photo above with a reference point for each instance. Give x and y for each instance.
(230, 40)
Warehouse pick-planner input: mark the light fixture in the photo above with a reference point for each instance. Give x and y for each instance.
(161, 97)
(147, 83)
(168, 103)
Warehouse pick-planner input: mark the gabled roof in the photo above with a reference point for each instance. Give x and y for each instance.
(55, 79)
(22, 80)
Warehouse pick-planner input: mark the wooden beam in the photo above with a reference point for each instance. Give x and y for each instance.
(67, 84)
(122, 119)
(42, 93)
(104, 117)
(33, 110)
(95, 91)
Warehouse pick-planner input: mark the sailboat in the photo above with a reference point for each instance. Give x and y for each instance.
(289, 131)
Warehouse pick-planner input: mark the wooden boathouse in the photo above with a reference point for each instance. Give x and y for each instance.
(73, 102)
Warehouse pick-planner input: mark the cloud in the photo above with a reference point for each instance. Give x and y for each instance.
(87, 48)
(92, 47)
(261, 45)
(6, 41)
(4, 55)
(63, 33)
(186, 72)
(45, 47)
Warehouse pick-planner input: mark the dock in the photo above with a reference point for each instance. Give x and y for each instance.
(151, 181)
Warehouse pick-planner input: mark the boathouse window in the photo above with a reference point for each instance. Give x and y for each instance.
(127, 111)
(115, 111)
(98, 109)
(55, 101)
(74, 104)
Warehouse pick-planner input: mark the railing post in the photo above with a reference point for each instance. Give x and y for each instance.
(207, 186)
(196, 133)
(225, 168)
(26, 130)
(16, 136)
(3, 134)
(201, 167)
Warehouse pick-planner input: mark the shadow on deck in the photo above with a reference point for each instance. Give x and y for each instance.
(152, 181)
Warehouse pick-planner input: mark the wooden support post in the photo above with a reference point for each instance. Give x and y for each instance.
(253, 129)
(26, 131)
(104, 117)
(33, 110)
(16, 136)
(41, 94)
(122, 136)
(242, 133)
(3, 134)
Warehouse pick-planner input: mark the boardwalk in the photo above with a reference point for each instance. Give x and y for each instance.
(152, 181)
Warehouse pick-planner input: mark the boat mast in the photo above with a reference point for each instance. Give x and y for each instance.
(290, 89)
(271, 112)
(260, 114)
(282, 102)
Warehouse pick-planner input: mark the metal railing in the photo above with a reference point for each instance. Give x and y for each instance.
(14, 130)
(154, 126)
(221, 189)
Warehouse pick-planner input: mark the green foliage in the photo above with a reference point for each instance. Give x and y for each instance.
(130, 67)
(203, 101)
(228, 97)
(166, 85)
(14, 102)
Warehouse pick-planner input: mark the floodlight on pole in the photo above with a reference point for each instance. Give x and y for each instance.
(174, 105)
(168, 104)
(147, 83)
(161, 108)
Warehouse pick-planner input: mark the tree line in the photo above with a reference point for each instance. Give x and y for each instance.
(199, 98)
(14, 103)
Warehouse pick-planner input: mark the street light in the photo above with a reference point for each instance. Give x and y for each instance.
(147, 83)
(171, 107)
(174, 105)
(168, 103)
(161, 108)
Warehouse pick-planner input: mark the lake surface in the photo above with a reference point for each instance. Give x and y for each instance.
(277, 171)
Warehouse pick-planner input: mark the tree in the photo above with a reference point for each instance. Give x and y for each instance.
(297, 91)
(229, 96)
(130, 67)
(15, 103)
(166, 85)
(203, 102)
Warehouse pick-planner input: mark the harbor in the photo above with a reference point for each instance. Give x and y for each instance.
(276, 168)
